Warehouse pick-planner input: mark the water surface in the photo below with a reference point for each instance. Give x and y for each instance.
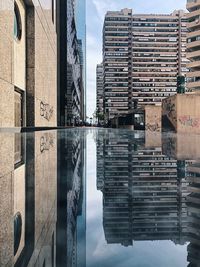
(99, 198)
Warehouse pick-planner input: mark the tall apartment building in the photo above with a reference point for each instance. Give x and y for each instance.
(99, 87)
(193, 44)
(142, 57)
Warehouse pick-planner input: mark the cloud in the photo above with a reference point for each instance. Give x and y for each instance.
(103, 6)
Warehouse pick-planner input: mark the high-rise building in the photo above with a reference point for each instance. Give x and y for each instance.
(71, 61)
(193, 44)
(142, 57)
(99, 88)
(80, 18)
(74, 83)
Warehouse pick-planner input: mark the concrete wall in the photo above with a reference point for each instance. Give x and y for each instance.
(20, 51)
(153, 139)
(181, 146)
(169, 110)
(188, 113)
(183, 112)
(45, 65)
(30, 63)
(6, 198)
(153, 118)
(19, 203)
(45, 197)
(6, 63)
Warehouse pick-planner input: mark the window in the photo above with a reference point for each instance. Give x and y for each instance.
(52, 10)
(17, 23)
(17, 231)
(18, 108)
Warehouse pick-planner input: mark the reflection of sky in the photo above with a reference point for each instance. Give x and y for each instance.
(96, 10)
(141, 254)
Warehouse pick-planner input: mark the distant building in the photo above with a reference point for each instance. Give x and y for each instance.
(80, 18)
(142, 57)
(74, 82)
(99, 88)
(193, 45)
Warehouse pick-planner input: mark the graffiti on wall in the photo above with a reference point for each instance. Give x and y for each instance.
(155, 127)
(46, 111)
(188, 121)
(46, 142)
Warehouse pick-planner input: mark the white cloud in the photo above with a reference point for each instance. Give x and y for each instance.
(102, 6)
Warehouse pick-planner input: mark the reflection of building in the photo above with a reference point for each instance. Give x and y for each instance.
(194, 214)
(40, 199)
(75, 204)
(144, 192)
(28, 95)
(143, 55)
(6, 198)
(48, 204)
(71, 201)
(28, 199)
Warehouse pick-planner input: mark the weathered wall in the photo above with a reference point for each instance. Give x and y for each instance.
(181, 146)
(188, 113)
(45, 65)
(153, 118)
(183, 112)
(19, 202)
(6, 63)
(153, 139)
(169, 110)
(45, 196)
(30, 63)
(6, 198)
(19, 69)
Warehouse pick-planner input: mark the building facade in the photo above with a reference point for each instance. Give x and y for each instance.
(99, 88)
(80, 18)
(28, 58)
(74, 77)
(142, 57)
(193, 45)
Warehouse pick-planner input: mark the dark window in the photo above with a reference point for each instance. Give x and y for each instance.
(52, 10)
(52, 250)
(17, 23)
(18, 109)
(17, 231)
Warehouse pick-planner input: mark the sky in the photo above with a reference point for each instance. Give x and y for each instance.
(95, 12)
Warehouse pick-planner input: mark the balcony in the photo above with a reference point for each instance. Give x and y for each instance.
(192, 5)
